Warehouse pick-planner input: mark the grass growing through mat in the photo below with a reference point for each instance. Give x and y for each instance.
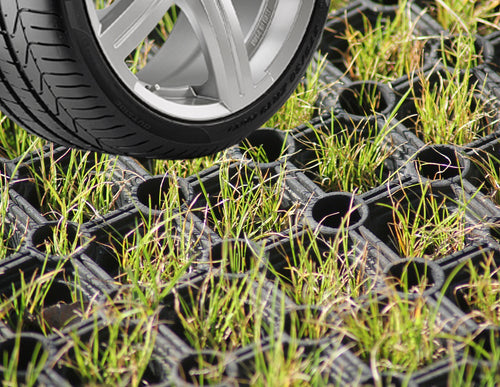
(46, 302)
(449, 113)
(61, 239)
(395, 334)
(286, 364)
(477, 373)
(352, 157)
(17, 359)
(321, 272)
(154, 254)
(467, 16)
(451, 109)
(15, 142)
(223, 314)
(309, 323)
(260, 155)
(460, 52)
(336, 4)
(349, 160)
(77, 186)
(249, 203)
(204, 369)
(482, 293)
(115, 354)
(489, 165)
(385, 49)
(431, 227)
(159, 247)
(182, 168)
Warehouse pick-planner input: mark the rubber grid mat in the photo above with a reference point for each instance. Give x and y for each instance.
(445, 175)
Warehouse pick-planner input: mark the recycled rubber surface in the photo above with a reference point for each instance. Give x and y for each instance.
(99, 270)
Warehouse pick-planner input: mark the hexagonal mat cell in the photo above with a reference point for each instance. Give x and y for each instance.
(24, 357)
(160, 193)
(441, 162)
(238, 201)
(475, 288)
(449, 108)
(57, 238)
(288, 255)
(74, 184)
(373, 331)
(484, 21)
(352, 35)
(365, 99)
(415, 277)
(418, 220)
(43, 298)
(220, 313)
(339, 155)
(102, 345)
(319, 270)
(161, 244)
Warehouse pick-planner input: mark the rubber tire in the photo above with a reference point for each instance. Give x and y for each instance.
(56, 83)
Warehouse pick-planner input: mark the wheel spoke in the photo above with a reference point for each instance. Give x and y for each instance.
(221, 38)
(219, 56)
(128, 22)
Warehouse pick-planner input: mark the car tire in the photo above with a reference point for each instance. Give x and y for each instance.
(223, 69)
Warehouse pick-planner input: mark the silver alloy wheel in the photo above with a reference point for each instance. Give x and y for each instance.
(220, 56)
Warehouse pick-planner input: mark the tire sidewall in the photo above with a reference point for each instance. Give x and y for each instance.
(135, 112)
